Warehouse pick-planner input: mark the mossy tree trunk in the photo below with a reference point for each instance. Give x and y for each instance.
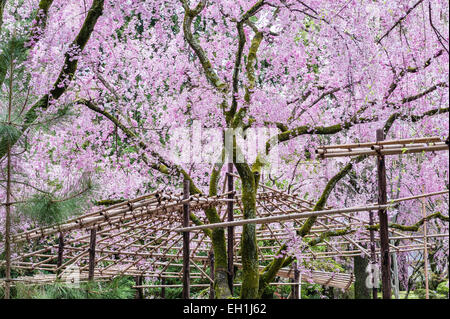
(249, 249)
(217, 235)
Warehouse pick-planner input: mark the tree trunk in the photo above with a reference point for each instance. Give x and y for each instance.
(249, 249)
(221, 287)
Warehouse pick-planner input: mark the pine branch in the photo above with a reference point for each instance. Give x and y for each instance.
(69, 68)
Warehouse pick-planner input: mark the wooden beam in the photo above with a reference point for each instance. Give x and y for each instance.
(384, 223)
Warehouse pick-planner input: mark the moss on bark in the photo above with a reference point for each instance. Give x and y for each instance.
(217, 235)
(249, 249)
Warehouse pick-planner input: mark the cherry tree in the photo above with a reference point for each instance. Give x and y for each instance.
(318, 72)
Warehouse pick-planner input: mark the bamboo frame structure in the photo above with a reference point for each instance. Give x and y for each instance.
(391, 147)
(143, 237)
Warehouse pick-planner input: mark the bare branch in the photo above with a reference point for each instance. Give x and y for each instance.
(399, 21)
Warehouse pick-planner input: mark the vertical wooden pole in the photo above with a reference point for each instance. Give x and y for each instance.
(60, 252)
(8, 251)
(8, 224)
(139, 291)
(211, 273)
(186, 239)
(296, 287)
(92, 253)
(425, 250)
(230, 230)
(373, 256)
(383, 217)
(163, 289)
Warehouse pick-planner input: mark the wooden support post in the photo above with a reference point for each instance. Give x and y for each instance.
(186, 239)
(373, 257)
(139, 291)
(92, 254)
(211, 273)
(425, 251)
(163, 289)
(230, 230)
(383, 217)
(59, 262)
(296, 287)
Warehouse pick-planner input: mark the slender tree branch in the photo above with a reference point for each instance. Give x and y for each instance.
(436, 31)
(399, 21)
(416, 226)
(210, 73)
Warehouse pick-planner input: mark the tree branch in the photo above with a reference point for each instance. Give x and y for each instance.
(412, 228)
(210, 73)
(41, 20)
(399, 21)
(70, 66)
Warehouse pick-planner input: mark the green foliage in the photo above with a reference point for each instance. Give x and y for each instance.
(443, 288)
(12, 51)
(421, 293)
(118, 288)
(45, 209)
(9, 135)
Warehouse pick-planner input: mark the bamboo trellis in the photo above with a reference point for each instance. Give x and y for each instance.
(143, 237)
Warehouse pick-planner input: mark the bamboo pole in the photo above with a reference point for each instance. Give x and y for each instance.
(383, 151)
(432, 139)
(278, 218)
